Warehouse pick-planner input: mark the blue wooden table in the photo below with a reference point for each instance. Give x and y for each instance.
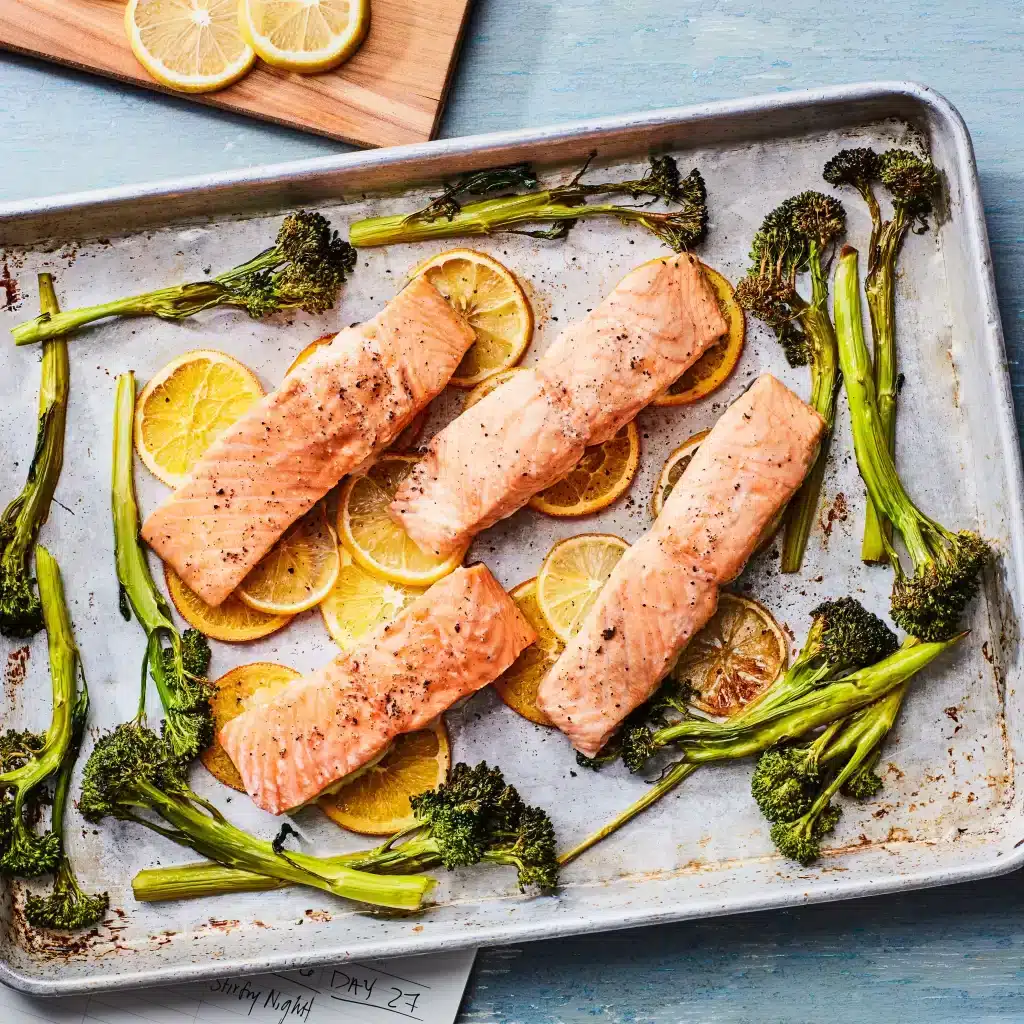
(946, 955)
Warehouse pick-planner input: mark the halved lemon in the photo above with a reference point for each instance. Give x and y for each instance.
(485, 387)
(374, 539)
(185, 406)
(712, 370)
(298, 571)
(232, 695)
(734, 658)
(359, 602)
(572, 576)
(232, 621)
(304, 35)
(673, 469)
(313, 346)
(189, 45)
(603, 474)
(517, 685)
(488, 295)
(376, 802)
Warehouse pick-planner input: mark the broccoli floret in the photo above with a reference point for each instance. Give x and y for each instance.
(912, 183)
(797, 238)
(21, 612)
(798, 801)
(304, 269)
(30, 761)
(928, 602)
(67, 906)
(177, 662)
(561, 207)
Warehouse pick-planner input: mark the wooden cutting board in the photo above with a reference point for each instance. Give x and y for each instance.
(391, 92)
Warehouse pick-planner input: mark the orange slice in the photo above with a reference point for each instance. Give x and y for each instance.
(603, 474)
(673, 469)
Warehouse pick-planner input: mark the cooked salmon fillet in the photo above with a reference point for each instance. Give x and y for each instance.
(349, 400)
(529, 432)
(456, 638)
(665, 587)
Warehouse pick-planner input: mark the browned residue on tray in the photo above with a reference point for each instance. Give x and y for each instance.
(9, 287)
(14, 671)
(838, 511)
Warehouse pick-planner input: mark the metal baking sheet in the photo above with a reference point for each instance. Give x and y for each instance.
(950, 809)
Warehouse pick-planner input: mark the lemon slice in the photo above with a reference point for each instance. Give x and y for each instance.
(359, 603)
(232, 694)
(712, 370)
(374, 539)
(572, 576)
(485, 387)
(734, 658)
(232, 621)
(376, 802)
(673, 469)
(186, 406)
(298, 571)
(304, 35)
(488, 295)
(189, 45)
(603, 474)
(517, 686)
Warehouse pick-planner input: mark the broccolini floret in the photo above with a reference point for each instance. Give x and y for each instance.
(176, 661)
(912, 183)
(798, 238)
(561, 207)
(304, 269)
(928, 602)
(21, 613)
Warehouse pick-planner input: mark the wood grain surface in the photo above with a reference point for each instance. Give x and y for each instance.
(390, 92)
(953, 954)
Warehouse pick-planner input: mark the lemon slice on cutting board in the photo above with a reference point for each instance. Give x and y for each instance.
(304, 35)
(603, 474)
(232, 621)
(359, 602)
(185, 406)
(739, 653)
(232, 694)
(571, 577)
(298, 571)
(376, 802)
(675, 466)
(713, 368)
(189, 45)
(494, 304)
(374, 539)
(517, 686)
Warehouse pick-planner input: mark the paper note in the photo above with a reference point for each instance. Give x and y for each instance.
(423, 988)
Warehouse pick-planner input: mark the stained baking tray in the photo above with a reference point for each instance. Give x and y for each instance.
(950, 809)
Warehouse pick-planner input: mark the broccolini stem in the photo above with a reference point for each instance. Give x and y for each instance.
(668, 781)
(228, 845)
(702, 741)
(173, 303)
(825, 381)
(63, 678)
(25, 516)
(870, 440)
(880, 292)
